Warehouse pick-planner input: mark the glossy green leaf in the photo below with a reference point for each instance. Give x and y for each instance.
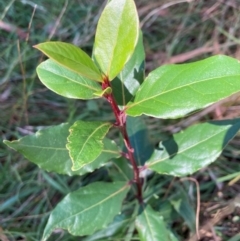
(139, 139)
(194, 148)
(65, 82)
(116, 36)
(47, 149)
(85, 141)
(71, 57)
(126, 84)
(88, 209)
(172, 91)
(151, 226)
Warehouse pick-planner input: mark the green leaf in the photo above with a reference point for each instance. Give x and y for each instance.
(71, 57)
(184, 208)
(193, 149)
(151, 226)
(235, 238)
(139, 139)
(120, 223)
(116, 36)
(110, 150)
(172, 91)
(65, 82)
(88, 209)
(47, 149)
(120, 170)
(85, 141)
(126, 84)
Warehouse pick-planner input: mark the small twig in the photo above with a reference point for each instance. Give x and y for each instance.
(180, 58)
(169, 188)
(54, 29)
(25, 95)
(30, 22)
(198, 203)
(6, 10)
(58, 20)
(220, 215)
(164, 6)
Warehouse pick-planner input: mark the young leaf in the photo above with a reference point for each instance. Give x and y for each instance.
(116, 36)
(71, 57)
(194, 148)
(85, 141)
(173, 91)
(88, 209)
(150, 226)
(110, 150)
(126, 84)
(65, 82)
(47, 149)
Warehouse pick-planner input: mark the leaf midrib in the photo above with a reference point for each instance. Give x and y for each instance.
(174, 89)
(89, 137)
(75, 62)
(192, 146)
(113, 49)
(148, 222)
(72, 80)
(96, 204)
(42, 147)
(62, 148)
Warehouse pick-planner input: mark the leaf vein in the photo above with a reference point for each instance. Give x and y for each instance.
(183, 150)
(174, 89)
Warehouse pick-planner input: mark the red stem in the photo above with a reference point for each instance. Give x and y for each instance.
(121, 124)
